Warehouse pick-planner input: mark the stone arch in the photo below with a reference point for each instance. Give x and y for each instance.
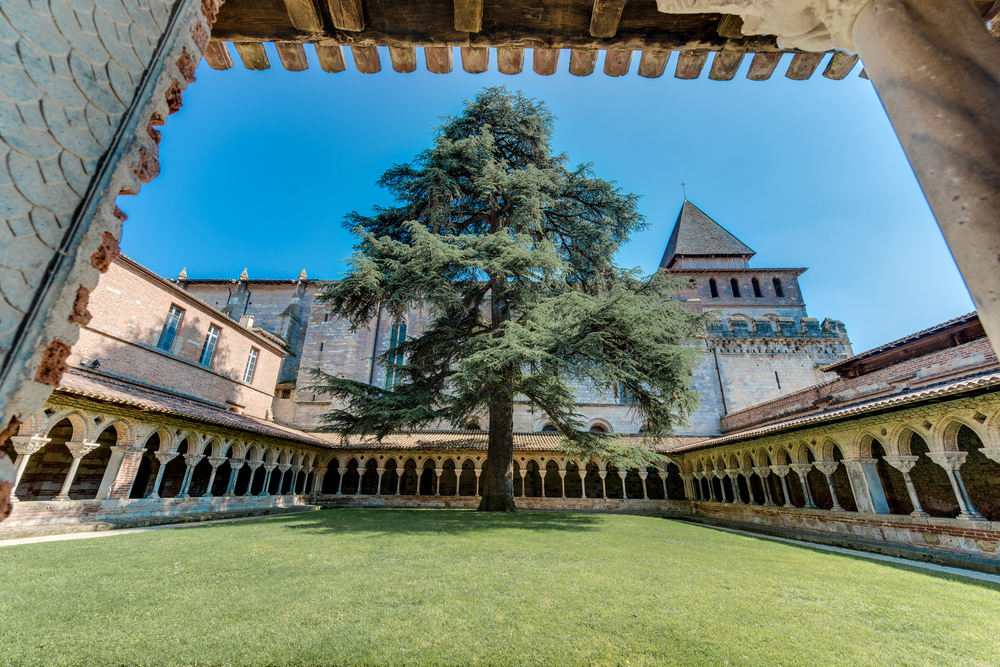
(893, 484)
(34, 424)
(428, 478)
(124, 430)
(944, 434)
(746, 459)
(573, 483)
(781, 456)
(83, 426)
(600, 423)
(824, 450)
(369, 477)
(149, 465)
(979, 474)
(897, 442)
(465, 469)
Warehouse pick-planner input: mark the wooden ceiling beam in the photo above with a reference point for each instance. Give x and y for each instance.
(690, 64)
(366, 59)
(545, 61)
(803, 65)
(252, 54)
(510, 61)
(438, 59)
(605, 18)
(304, 15)
(582, 62)
(292, 55)
(840, 66)
(217, 56)
(331, 58)
(731, 26)
(476, 60)
(347, 15)
(652, 64)
(404, 59)
(762, 66)
(617, 61)
(725, 64)
(468, 15)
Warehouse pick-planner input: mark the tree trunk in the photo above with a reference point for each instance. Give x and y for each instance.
(498, 483)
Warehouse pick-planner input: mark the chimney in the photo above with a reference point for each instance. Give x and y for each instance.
(247, 321)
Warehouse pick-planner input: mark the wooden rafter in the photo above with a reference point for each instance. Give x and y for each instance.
(331, 58)
(468, 15)
(292, 55)
(582, 62)
(304, 15)
(404, 59)
(252, 54)
(652, 64)
(217, 56)
(545, 61)
(475, 60)
(605, 17)
(438, 59)
(347, 15)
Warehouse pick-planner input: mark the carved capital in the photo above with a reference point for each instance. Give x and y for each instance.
(781, 471)
(236, 464)
(801, 469)
(948, 460)
(643, 474)
(253, 465)
(283, 467)
(992, 453)
(763, 471)
(902, 463)
(164, 457)
(216, 461)
(270, 466)
(746, 472)
(26, 445)
(826, 467)
(81, 449)
(192, 459)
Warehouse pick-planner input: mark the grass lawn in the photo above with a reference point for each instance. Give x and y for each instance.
(437, 587)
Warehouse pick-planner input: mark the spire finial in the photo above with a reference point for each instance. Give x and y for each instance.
(183, 274)
(244, 276)
(683, 189)
(302, 276)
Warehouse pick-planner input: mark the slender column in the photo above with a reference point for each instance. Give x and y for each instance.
(687, 478)
(78, 451)
(399, 478)
(458, 481)
(380, 471)
(191, 460)
(524, 471)
(623, 473)
(935, 67)
(420, 478)
(253, 465)
(663, 478)
(562, 480)
(604, 486)
(318, 480)
(340, 480)
(720, 475)
(361, 476)
(268, 469)
(747, 472)
(25, 446)
(643, 473)
(541, 473)
(234, 467)
(782, 473)
(163, 458)
(764, 472)
(802, 470)
(296, 471)
(827, 468)
(215, 462)
(282, 468)
(904, 464)
(951, 462)
(734, 480)
(582, 472)
(478, 473)
(437, 486)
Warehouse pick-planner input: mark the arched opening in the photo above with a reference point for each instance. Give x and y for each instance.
(411, 479)
(778, 292)
(549, 428)
(757, 489)
(744, 488)
(467, 480)
(331, 480)
(257, 479)
(173, 472)
(533, 480)
(841, 482)
(200, 475)
(369, 478)
(449, 478)
(613, 483)
(553, 482)
(714, 288)
(727, 489)
(593, 481)
(428, 479)
(574, 485)
(893, 484)
(277, 478)
(654, 484)
(145, 476)
(716, 488)
(598, 428)
(244, 477)
(634, 486)
(756, 288)
(980, 474)
(473, 426)
(735, 286)
(931, 482)
(390, 478)
(675, 483)
(351, 478)
(46, 470)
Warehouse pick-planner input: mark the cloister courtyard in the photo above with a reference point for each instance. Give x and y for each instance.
(453, 587)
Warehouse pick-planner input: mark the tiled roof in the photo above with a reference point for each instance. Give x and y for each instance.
(697, 234)
(83, 383)
(962, 319)
(949, 387)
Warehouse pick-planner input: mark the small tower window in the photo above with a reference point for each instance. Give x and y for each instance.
(756, 288)
(396, 338)
(777, 288)
(714, 287)
(736, 287)
(548, 428)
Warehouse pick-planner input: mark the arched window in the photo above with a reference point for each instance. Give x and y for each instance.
(777, 288)
(715, 288)
(736, 287)
(548, 428)
(598, 428)
(396, 338)
(756, 288)
(473, 426)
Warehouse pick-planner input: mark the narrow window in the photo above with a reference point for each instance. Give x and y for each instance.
(285, 393)
(326, 318)
(777, 379)
(714, 287)
(396, 338)
(170, 326)
(548, 428)
(251, 366)
(756, 288)
(208, 347)
(777, 288)
(321, 347)
(736, 287)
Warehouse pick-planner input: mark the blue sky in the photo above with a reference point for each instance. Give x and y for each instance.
(259, 168)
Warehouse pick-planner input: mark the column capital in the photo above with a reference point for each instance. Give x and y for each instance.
(622, 472)
(192, 459)
(216, 461)
(341, 471)
(236, 464)
(380, 470)
(991, 453)
(763, 471)
(81, 449)
(296, 469)
(164, 457)
(643, 474)
(780, 471)
(26, 445)
(253, 465)
(283, 467)
(902, 463)
(826, 467)
(746, 472)
(801, 469)
(269, 467)
(948, 460)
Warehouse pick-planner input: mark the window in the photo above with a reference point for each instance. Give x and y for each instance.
(756, 288)
(714, 287)
(208, 347)
(736, 287)
(777, 288)
(285, 393)
(326, 318)
(170, 328)
(548, 428)
(396, 338)
(321, 347)
(597, 428)
(473, 426)
(251, 365)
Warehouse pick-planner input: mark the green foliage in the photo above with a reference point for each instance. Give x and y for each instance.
(511, 253)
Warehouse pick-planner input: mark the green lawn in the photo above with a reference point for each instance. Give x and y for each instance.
(436, 587)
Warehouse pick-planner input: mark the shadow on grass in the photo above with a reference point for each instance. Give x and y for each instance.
(867, 557)
(386, 521)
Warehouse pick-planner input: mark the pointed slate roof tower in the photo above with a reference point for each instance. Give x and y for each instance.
(698, 242)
